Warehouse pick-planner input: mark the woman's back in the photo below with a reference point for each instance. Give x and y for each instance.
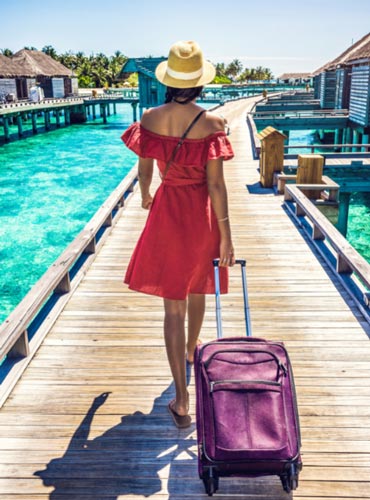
(172, 120)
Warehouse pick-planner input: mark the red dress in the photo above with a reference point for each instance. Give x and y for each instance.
(174, 254)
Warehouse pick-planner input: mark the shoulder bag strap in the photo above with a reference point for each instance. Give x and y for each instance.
(179, 144)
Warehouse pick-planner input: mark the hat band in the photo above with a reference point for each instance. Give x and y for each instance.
(178, 75)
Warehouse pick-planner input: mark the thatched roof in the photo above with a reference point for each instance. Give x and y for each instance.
(358, 51)
(5, 66)
(31, 64)
(287, 76)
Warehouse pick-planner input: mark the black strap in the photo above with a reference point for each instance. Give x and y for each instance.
(181, 140)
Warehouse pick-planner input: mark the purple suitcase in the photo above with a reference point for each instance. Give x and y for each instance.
(247, 418)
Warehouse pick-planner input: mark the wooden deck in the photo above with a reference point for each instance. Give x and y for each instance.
(60, 438)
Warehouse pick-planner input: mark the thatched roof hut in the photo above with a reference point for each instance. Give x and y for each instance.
(33, 63)
(19, 72)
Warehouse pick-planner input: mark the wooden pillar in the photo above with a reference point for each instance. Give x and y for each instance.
(134, 111)
(19, 124)
(67, 117)
(34, 122)
(356, 140)
(108, 108)
(103, 112)
(365, 140)
(309, 171)
(349, 138)
(6, 128)
(57, 118)
(114, 108)
(93, 111)
(88, 110)
(338, 138)
(342, 224)
(47, 120)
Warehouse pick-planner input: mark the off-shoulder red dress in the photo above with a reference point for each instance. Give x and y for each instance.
(174, 254)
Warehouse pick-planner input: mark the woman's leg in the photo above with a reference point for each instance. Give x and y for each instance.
(174, 335)
(196, 309)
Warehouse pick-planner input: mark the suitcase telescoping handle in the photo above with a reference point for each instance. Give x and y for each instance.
(242, 263)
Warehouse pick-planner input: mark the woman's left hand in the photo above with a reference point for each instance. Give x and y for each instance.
(227, 257)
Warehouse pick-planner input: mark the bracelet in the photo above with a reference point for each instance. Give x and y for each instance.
(224, 219)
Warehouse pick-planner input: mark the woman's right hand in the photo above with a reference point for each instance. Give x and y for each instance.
(146, 202)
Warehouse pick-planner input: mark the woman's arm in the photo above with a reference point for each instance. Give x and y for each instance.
(218, 194)
(145, 180)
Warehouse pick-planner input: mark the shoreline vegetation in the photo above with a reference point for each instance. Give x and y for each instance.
(100, 70)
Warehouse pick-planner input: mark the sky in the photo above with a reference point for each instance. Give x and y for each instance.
(283, 35)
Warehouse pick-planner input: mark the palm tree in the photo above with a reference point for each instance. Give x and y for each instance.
(50, 51)
(6, 52)
(234, 68)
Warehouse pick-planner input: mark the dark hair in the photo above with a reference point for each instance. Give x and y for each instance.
(185, 95)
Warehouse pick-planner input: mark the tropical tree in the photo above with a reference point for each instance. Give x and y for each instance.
(233, 69)
(50, 51)
(6, 52)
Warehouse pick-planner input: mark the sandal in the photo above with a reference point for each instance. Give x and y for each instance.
(181, 421)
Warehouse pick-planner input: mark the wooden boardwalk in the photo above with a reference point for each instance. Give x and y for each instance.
(88, 419)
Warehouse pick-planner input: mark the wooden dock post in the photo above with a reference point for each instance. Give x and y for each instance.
(309, 171)
(34, 122)
(271, 156)
(342, 224)
(57, 118)
(47, 120)
(20, 126)
(6, 128)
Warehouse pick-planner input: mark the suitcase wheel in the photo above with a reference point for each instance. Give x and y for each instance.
(211, 482)
(290, 479)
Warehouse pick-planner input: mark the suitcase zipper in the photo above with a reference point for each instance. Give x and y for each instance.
(264, 382)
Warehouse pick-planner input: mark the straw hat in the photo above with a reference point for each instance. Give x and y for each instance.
(185, 67)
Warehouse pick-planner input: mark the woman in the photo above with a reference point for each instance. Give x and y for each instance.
(188, 224)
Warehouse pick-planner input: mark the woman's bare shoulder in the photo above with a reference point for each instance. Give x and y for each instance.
(214, 122)
(151, 115)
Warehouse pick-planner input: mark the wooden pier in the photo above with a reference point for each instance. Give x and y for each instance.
(88, 418)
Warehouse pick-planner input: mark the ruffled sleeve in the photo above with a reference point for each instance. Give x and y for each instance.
(219, 146)
(193, 152)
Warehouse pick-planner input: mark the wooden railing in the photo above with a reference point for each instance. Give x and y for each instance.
(351, 268)
(14, 338)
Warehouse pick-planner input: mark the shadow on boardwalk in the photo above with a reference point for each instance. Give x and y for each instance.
(136, 457)
(125, 460)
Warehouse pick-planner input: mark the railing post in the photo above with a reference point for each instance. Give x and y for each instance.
(309, 171)
(64, 286)
(21, 348)
(272, 155)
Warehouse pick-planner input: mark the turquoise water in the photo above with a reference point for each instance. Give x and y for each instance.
(50, 187)
(359, 210)
(359, 223)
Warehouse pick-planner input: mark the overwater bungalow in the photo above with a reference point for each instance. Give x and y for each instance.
(295, 78)
(344, 83)
(28, 67)
(152, 92)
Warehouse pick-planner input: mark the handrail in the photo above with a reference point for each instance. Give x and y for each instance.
(347, 260)
(326, 146)
(337, 113)
(13, 332)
